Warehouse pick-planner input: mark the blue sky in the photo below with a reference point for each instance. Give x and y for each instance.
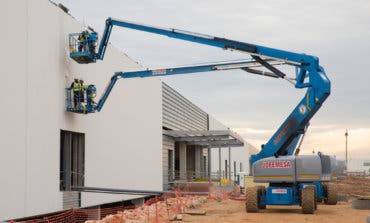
(338, 32)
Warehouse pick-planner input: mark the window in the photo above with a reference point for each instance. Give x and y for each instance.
(205, 167)
(72, 159)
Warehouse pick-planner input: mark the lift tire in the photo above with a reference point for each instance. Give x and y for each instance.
(325, 191)
(331, 198)
(261, 190)
(308, 200)
(251, 203)
(315, 198)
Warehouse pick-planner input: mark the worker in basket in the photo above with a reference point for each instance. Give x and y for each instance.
(93, 41)
(91, 94)
(82, 38)
(82, 105)
(76, 88)
(88, 94)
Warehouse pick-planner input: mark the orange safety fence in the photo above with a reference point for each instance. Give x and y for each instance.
(78, 215)
(164, 208)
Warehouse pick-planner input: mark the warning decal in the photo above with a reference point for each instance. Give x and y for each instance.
(159, 72)
(279, 191)
(302, 109)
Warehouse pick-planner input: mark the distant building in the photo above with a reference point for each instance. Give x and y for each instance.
(358, 165)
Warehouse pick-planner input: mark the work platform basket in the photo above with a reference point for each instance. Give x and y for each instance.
(82, 48)
(78, 102)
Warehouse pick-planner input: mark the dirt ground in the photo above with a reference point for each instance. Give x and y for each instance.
(220, 209)
(354, 186)
(234, 211)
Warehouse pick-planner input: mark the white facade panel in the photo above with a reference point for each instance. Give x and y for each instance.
(13, 165)
(123, 142)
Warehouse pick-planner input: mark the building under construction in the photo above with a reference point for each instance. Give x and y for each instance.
(147, 137)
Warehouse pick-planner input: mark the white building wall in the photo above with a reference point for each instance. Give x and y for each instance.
(123, 142)
(238, 154)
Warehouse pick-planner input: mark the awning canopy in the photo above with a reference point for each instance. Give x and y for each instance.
(207, 138)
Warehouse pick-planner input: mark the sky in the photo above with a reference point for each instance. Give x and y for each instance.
(336, 31)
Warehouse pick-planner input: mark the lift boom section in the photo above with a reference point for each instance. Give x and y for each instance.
(309, 75)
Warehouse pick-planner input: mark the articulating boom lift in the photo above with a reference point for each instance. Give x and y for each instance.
(293, 180)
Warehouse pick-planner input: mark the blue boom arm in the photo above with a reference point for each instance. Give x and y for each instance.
(309, 75)
(244, 65)
(255, 50)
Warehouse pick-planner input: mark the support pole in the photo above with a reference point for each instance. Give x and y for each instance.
(234, 171)
(229, 162)
(219, 164)
(226, 170)
(209, 164)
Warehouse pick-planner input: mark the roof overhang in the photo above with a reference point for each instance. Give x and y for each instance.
(206, 138)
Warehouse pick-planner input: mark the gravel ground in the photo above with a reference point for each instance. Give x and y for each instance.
(234, 211)
(354, 186)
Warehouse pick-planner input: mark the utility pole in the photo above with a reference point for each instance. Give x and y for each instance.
(346, 135)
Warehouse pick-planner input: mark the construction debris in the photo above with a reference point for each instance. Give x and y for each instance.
(156, 210)
(170, 207)
(178, 217)
(361, 203)
(196, 212)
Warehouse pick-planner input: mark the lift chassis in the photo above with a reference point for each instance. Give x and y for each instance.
(292, 179)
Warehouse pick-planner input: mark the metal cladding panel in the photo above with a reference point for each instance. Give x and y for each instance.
(274, 170)
(179, 113)
(308, 168)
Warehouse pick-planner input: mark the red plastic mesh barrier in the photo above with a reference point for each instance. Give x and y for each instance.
(78, 215)
(155, 210)
(169, 206)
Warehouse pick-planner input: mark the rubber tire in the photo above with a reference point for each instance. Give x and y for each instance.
(308, 200)
(331, 194)
(261, 190)
(325, 189)
(315, 198)
(251, 203)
